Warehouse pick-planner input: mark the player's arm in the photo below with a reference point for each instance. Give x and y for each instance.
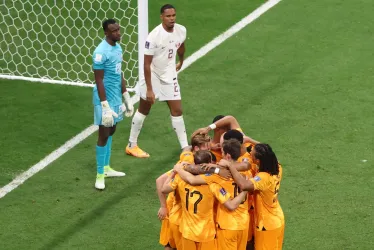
(225, 198)
(235, 203)
(147, 71)
(193, 180)
(99, 80)
(207, 169)
(159, 184)
(149, 51)
(240, 166)
(227, 121)
(181, 50)
(250, 140)
(243, 183)
(167, 188)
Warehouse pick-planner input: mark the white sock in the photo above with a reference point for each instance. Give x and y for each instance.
(136, 126)
(180, 130)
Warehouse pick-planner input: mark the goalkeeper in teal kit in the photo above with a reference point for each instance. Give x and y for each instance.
(108, 93)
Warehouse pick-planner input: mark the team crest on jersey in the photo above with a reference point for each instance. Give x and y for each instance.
(147, 45)
(223, 191)
(257, 178)
(245, 160)
(177, 45)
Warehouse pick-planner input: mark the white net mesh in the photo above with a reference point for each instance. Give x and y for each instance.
(55, 39)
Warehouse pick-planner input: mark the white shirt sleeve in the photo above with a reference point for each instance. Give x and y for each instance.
(184, 31)
(150, 45)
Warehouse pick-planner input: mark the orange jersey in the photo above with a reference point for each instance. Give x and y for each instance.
(197, 204)
(186, 156)
(175, 211)
(217, 153)
(226, 219)
(268, 212)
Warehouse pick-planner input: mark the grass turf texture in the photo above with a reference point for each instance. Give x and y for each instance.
(300, 82)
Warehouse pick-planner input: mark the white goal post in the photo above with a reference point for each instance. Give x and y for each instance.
(52, 41)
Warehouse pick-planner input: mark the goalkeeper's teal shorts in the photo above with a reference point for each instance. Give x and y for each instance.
(97, 114)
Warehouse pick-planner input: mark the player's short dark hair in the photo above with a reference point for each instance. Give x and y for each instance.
(107, 22)
(214, 158)
(165, 7)
(202, 156)
(234, 134)
(218, 117)
(232, 147)
(268, 159)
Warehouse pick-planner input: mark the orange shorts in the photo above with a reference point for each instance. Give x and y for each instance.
(269, 240)
(231, 239)
(164, 232)
(175, 237)
(192, 245)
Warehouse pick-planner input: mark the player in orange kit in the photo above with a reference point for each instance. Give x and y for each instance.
(221, 124)
(232, 225)
(269, 217)
(170, 212)
(198, 225)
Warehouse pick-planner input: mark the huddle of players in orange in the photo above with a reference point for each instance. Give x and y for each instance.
(222, 193)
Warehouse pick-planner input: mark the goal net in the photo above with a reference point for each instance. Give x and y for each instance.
(53, 40)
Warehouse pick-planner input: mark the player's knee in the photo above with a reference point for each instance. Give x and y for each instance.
(176, 112)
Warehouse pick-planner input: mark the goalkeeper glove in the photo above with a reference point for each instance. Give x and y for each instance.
(129, 111)
(107, 114)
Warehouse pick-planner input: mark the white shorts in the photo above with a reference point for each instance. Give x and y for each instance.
(163, 91)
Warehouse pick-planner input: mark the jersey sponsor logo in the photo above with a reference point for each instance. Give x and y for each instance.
(257, 178)
(223, 191)
(98, 57)
(147, 45)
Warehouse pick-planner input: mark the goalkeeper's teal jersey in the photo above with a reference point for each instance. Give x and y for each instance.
(109, 58)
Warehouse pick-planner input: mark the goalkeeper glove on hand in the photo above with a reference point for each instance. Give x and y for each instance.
(107, 114)
(129, 111)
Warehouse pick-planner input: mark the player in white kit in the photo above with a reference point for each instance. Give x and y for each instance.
(161, 82)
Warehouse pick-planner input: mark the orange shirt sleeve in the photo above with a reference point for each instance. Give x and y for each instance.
(186, 157)
(259, 182)
(219, 192)
(174, 182)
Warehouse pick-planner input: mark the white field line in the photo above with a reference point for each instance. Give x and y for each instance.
(91, 129)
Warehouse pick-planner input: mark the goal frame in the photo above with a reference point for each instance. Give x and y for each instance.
(142, 28)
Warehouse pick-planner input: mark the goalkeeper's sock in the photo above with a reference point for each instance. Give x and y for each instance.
(180, 130)
(100, 158)
(136, 126)
(108, 151)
